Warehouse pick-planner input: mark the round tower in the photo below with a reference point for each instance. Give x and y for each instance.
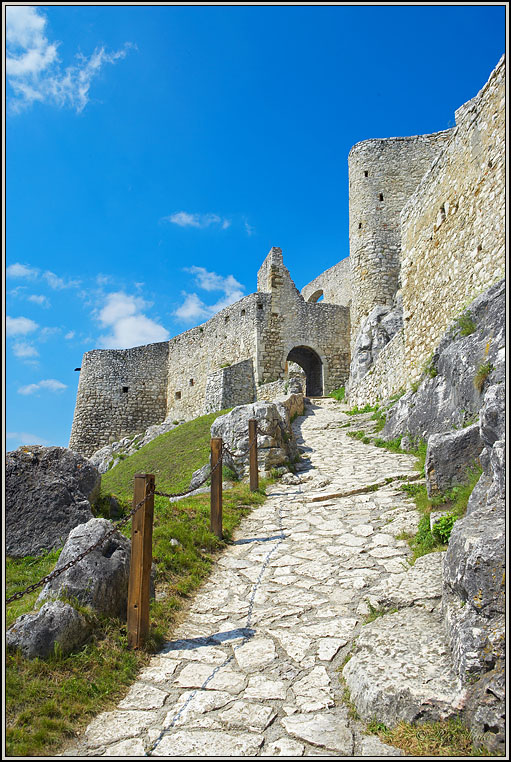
(383, 174)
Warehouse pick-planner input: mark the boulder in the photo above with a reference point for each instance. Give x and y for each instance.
(276, 444)
(48, 492)
(199, 477)
(109, 455)
(56, 624)
(449, 456)
(486, 710)
(378, 328)
(100, 579)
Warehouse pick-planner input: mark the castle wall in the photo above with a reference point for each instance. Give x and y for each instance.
(291, 322)
(225, 340)
(335, 283)
(383, 174)
(453, 227)
(120, 393)
(228, 387)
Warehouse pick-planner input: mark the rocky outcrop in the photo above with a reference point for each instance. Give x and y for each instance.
(460, 371)
(276, 444)
(56, 627)
(449, 456)
(382, 323)
(100, 579)
(48, 492)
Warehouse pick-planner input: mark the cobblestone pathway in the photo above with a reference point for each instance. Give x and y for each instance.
(254, 669)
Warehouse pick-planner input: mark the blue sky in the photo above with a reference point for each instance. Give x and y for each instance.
(154, 154)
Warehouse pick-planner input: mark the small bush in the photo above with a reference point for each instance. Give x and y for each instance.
(442, 528)
(465, 325)
(482, 374)
(430, 368)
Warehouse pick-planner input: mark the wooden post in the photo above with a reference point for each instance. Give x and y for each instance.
(216, 487)
(141, 561)
(252, 437)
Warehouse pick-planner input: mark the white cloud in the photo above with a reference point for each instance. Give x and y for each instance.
(187, 220)
(123, 314)
(57, 283)
(24, 350)
(193, 308)
(69, 335)
(19, 326)
(43, 301)
(48, 383)
(18, 270)
(34, 70)
(26, 438)
(249, 229)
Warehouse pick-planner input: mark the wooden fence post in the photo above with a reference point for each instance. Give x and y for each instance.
(252, 437)
(216, 487)
(141, 561)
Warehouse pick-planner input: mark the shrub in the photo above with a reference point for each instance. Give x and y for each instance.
(465, 325)
(442, 528)
(482, 374)
(338, 394)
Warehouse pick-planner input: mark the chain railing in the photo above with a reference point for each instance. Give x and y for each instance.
(141, 531)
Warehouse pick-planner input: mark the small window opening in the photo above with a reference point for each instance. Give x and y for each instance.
(490, 164)
(479, 248)
(442, 212)
(360, 226)
(366, 173)
(259, 306)
(381, 196)
(242, 313)
(125, 389)
(191, 382)
(227, 318)
(178, 395)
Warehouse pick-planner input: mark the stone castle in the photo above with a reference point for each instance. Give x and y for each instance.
(427, 235)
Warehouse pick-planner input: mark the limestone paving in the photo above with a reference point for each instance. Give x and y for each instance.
(255, 668)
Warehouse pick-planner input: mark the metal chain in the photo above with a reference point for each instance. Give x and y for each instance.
(57, 572)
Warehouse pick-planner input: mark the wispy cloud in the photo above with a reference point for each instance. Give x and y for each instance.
(19, 326)
(69, 335)
(188, 220)
(34, 70)
(193, 308)
(25, 438)
(128, 325)
(18, 270)
(47, 383)
(39, 299)
(249, 229)
(58, 283)
(24, 350)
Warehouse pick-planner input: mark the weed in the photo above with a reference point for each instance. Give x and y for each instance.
(374, 613)
(442, 528)
(376, 727)
(443, 738)
(338, 394)
(464, 324)
(482, 374)
(430, 368)
(414, 386)
(366, 409)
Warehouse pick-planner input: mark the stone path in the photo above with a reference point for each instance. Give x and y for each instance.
(254, 669)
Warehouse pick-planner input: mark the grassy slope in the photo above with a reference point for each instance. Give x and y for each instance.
(48, 701)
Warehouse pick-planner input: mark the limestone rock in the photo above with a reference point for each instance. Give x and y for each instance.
(100, 579)
(485, 710)
(276, 445)
(48, 492)
(56, 624)
(449, 456)
(382, 323)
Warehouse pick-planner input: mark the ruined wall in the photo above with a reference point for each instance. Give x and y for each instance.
(290, 322)
(383, 174)
(120, 392)
(228, 387)
(453, 227)
(226, 339)
(334, 285)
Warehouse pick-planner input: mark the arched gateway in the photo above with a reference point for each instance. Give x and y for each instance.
(312, 366)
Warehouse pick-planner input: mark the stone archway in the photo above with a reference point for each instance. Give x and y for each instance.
(312, 366)
(316, 296)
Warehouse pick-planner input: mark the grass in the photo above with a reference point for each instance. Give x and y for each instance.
(375, 613)
(338, 394)
(366, 409)
(482, 374)
(454, 501)
(465, 325)
(446, 738)
(48, 702)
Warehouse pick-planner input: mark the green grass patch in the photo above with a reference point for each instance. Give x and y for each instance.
(464, 324)
(48, 702)
(375, 613)
(482, 374)
(444, 738)
(366, 409)
(171, 457)
(338, 394)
